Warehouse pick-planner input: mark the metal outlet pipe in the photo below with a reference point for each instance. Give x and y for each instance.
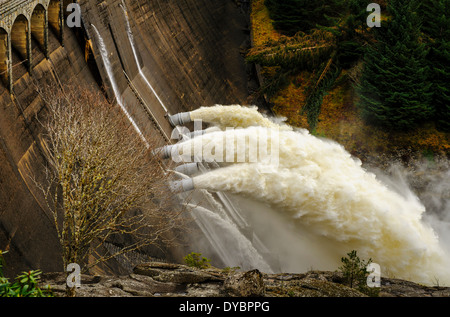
(188, 169)
(165, 152)
(197, 133)
(180, 119)
(184, 185)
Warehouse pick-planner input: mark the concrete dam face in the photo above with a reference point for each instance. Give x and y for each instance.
(159, 56)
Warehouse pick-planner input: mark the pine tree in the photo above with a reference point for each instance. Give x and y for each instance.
(292, 16)
(436, 27)
(393, 91)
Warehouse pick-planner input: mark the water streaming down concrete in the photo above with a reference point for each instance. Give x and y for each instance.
(105, 58)
(233, 247)
(136, 58)
(165, 56)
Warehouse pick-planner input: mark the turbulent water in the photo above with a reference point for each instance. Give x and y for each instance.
(225, 235)
(319, 190)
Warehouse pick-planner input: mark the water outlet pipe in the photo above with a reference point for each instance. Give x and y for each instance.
(188, 169)
(184, 185)
(181, 118)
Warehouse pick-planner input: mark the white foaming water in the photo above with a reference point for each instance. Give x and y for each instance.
(107, 63)
(325, 191)
(235, 116)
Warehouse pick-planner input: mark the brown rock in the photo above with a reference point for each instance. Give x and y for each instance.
(247, 284)
(175, 273)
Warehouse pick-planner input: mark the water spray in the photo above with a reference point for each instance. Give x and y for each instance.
(321, 188)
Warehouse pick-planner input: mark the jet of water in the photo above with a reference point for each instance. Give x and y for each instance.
(326, 191)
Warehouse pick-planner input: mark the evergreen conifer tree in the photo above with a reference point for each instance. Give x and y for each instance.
(436, 27)
(292, 16)
(394, 90)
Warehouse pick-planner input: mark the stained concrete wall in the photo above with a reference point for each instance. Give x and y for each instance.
(189, 50)
(189, 53)
(26, 228)
(192, 48)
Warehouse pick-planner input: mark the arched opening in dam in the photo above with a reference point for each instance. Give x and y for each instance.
(39, 29)
(28, 35)
(55, 18)
(20, 41)
(4, 58)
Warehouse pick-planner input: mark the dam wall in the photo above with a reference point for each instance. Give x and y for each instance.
(26, 226)
(189, 56)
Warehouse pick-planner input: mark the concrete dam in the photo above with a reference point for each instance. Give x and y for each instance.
(185, 54)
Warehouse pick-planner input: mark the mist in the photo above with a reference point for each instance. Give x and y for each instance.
(318, 202)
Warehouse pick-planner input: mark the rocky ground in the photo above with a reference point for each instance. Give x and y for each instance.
(174, 280)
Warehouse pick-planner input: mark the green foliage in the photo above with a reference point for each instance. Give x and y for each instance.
(435, 15)
(355, 273)
(405, 77)
(26, 284)
(394, 90)
(2, 262)
(350, 30)
(292, 55)
(302, 51)
(292, 16)
(230, 270)
(273, 84)
(196, 260)
(436, 21)
(354, 269)
(428, 155)
(329, 37)
(321, 85)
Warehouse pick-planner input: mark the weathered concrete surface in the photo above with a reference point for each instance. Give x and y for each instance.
(26, 228)
(189, 53)
(193, 48)
(23, 22)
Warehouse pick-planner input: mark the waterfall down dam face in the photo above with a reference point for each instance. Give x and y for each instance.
(164, 56)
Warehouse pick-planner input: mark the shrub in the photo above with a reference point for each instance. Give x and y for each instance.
(230, 270)
(196, 260)
(101, 179)
(26, 284)
(355, 273)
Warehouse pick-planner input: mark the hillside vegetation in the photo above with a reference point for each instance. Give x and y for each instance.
(374, 90)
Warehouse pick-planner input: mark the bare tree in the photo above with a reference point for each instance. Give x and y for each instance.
(101, 179)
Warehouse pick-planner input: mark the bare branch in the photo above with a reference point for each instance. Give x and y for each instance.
(100, 179)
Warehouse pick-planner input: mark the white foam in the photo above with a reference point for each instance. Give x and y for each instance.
(321, 187)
